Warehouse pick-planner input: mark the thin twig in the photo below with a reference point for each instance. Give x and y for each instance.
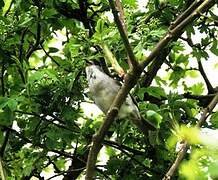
(124, 150)
(121, 146)
(203, 74)
(200, 66)
(49, 121)
(18, 134)
(47, 54)
(177, 30)
(2, 77)
(38, 35)
(123, 34)
(20, 56)
(186, 13)
(184, 147)
(130, 81)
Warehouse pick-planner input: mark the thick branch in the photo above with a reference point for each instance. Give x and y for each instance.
(130, 81)
(186, 13)
(184, 148)
(155, 66)
(177, 31)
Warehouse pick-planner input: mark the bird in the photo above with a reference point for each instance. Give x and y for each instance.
(103, 90)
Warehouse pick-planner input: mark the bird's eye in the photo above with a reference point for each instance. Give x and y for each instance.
(92, 75)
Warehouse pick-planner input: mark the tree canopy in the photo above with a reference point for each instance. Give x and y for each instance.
(155, 48)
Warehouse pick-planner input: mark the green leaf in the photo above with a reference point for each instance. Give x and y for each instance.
(192, 73)
(110, 151)
(114, 164)
(60, 163)
(190, 30)
(36, 76)
(182, 59)
(157, 92)
(6, 5)
(214, 16)
(100, 26)
(215, 65)
(153, 138)
(198, 88)
(1, 137)
(214, 48)
(12, 104)
(3, 102)
(213, 169)
(154, 117)
(214, 119)
(177, 75)
(147, 162)
(53, 50)
(1, 3)
(6, 117)
(48, 13)
(26, 22)
(199, 54)
(205, 41)
(130, 3)
(141, 93)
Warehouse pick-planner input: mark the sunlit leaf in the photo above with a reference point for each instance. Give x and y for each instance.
(157, 92)
(154, 117)
(214, 119)
(197, 88)
(6, 5)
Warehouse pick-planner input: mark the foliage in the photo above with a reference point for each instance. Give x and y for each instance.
(44, 47)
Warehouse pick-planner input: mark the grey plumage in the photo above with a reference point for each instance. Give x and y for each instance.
(103, 90)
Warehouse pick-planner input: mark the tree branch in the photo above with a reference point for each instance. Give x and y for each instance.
(122, 29)
(130, 81)
(155, 66)
(20, 56)
(62, 153)
(185, 14)
(208, 84)
(133, 158)
(2, 77)
(198, 97)
(7, 133)
(177, 30)
(49, 121)
(200, 67)
(184, 147)
(121, 146)
(38, 34)
(47, 54)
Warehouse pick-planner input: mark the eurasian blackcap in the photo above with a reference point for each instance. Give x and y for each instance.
(104, 89)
